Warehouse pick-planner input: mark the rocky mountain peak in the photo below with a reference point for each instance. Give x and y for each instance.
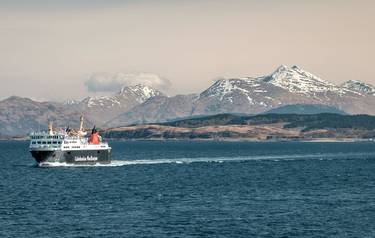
(104, 108)
(140, 92)
(227, 87)
(358, 86)
(128, 95)
(297, 80)
(296, 67)
(293, 79)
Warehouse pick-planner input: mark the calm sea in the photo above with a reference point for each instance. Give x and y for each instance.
(194, 189)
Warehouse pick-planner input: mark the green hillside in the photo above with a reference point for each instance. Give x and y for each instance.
(307, 121)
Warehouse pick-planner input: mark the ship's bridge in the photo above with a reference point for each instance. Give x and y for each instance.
(46, 140)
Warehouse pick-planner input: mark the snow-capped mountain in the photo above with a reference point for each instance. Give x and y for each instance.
(297, 80)
(103, 108)
(127, 97)
(359, 86)
(251, 95)
(140, 92)
(22, 115)
(286, 85)
(235, 95)
(143, 104)
(292, 79)
(225, 88)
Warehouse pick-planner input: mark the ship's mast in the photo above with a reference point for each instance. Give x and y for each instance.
(50, 128)
(81, 123)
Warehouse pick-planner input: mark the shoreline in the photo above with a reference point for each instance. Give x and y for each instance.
(320, 140)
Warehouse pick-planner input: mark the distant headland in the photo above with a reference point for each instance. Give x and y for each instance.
(266, 127)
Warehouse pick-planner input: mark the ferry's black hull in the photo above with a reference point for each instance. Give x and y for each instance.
(73, 156)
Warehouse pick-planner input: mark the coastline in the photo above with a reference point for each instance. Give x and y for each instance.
(315, 140)
(320, 140)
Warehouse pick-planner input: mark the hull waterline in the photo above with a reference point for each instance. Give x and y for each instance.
(73, 157)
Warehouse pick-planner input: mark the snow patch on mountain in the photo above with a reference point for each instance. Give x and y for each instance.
(71, 102)
(296, 80)
(128, 95)
(224, 87)
(141, 92)
(104, 101)
(358, 86)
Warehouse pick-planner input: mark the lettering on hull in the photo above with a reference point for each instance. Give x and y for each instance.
(87, 158)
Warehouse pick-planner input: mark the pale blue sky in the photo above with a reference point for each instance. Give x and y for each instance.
(50, 48)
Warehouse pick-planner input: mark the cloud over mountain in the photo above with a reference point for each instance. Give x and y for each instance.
(109, 82)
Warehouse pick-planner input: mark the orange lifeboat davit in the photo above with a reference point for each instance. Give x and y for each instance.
(94, 137)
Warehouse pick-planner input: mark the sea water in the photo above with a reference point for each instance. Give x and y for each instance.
(193, 189)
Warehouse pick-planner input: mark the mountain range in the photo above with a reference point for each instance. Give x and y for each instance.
(142, 104)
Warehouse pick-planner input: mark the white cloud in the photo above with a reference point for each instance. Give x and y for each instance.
(108, 82)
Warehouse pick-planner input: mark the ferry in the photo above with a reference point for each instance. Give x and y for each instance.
(69, 146)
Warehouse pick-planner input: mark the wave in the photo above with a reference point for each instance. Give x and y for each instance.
(117, 163)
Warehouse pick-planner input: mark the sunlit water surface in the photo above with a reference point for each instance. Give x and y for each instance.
(193, 189)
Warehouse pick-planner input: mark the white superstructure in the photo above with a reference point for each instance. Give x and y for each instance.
(46, 141)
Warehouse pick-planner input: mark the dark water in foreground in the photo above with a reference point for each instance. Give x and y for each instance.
(194, 189)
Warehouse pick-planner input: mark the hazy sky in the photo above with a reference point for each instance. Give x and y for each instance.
(54, 50)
